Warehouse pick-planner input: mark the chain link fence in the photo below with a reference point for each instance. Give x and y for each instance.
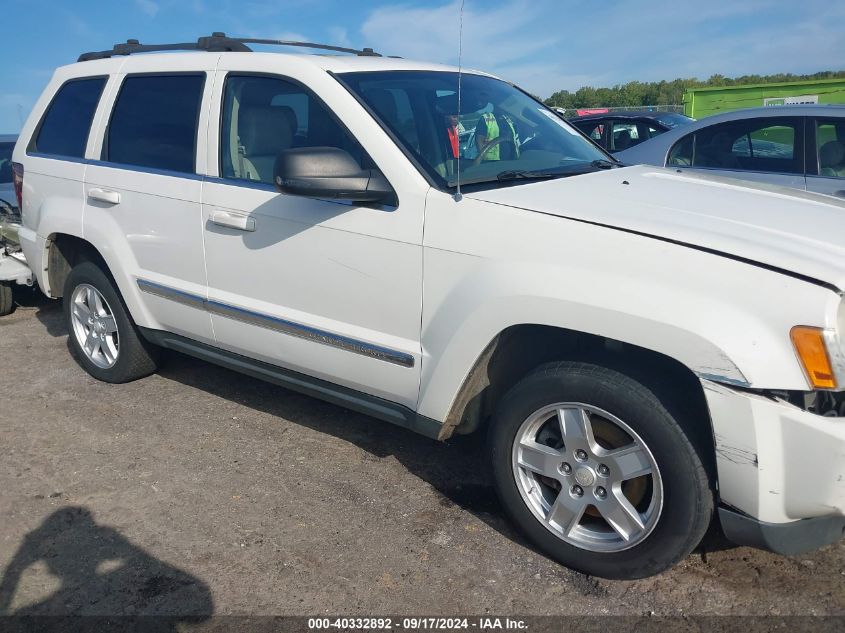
(573, 112)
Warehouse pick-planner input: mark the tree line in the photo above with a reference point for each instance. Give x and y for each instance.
(643, 93)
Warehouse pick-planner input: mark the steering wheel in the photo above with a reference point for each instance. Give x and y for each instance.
(490, 145)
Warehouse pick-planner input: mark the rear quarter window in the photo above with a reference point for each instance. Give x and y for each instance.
(67, 122)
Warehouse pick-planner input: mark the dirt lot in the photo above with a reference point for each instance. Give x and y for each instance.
(198, 490)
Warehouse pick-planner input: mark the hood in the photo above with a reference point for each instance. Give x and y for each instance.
(799, 232)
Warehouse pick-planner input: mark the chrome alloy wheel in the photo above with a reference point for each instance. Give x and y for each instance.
(94, 326)
(587, 477)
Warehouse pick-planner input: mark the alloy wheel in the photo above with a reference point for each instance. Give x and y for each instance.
(587, 476)
(94, 326)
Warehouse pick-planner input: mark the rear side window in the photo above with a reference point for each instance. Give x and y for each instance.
(154, 122)
(760, 145)
(64, 129)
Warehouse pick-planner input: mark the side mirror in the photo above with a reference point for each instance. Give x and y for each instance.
(329, 172)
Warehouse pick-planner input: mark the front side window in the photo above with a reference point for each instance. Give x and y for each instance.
(263, 116)
(760, 145)
(593, 129)
(681, 153)
(64, 129)
(624, 135)
(497, 133)
(830, 148)
(154, 122)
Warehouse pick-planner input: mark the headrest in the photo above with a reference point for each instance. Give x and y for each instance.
(264, 130)
(831, 154)
(291, 117)
(384, 104)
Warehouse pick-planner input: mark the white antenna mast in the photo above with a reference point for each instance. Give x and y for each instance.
(458, 195)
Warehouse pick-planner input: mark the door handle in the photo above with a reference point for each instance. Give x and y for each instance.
(233, 221)
(104, 195)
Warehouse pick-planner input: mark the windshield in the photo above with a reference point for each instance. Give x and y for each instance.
(6, 162)
(500, 133)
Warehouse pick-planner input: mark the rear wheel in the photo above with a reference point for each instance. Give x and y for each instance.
(102, 334)
(597, 472)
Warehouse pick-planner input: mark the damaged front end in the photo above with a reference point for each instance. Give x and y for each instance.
(780, 458)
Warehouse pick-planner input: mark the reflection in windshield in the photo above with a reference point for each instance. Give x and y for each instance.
(673, 120)
(495, 129)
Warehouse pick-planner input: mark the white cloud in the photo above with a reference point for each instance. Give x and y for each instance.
(548, 45)
(339, 36)
(148, 7)
(490, 36)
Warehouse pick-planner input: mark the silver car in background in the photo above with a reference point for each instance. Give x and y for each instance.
(795, 146)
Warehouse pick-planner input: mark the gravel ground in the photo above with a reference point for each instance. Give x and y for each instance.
(198, 490)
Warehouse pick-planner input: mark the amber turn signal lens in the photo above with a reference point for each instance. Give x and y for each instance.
(810, 347)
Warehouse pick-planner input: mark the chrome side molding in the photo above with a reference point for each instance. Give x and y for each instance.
(291, 328)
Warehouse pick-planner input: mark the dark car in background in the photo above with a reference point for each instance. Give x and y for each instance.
(7, 189)
(617, 131)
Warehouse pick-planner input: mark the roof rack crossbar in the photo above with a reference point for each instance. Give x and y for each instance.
(217, 42)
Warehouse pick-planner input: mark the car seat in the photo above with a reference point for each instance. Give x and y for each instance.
(264, 131)
(832, 159)
(621, 141)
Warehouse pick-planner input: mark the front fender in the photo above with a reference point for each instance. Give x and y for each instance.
(727, 321)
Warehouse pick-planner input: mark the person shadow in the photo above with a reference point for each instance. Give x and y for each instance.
(105, 578)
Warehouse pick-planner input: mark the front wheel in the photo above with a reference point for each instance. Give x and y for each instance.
(598, 473)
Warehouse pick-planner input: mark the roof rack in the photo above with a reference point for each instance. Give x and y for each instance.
(217, 43)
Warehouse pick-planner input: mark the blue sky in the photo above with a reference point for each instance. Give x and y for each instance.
(543, 45)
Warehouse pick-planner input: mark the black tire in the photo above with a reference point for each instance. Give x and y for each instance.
(136, 357)
(7, 302)
(688, 492)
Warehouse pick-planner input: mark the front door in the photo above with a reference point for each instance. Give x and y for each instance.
(826, 160)
(326, 288)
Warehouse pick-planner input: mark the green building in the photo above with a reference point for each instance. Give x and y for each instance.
(702, 102)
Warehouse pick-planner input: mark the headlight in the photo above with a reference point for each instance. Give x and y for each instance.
(821, 356)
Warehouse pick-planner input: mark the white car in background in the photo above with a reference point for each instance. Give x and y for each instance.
(642, 347)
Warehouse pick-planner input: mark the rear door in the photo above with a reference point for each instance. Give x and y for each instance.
(764, 149)
(826, 155)
(143, 194)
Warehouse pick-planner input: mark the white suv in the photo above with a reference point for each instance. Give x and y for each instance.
(641, 346)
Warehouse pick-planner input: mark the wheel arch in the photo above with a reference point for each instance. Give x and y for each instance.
(63, 251)
(519, 349)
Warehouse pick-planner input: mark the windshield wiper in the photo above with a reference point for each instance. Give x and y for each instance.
(521, 174)
(601, 163)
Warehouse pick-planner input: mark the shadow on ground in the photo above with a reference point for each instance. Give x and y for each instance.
(101, 573)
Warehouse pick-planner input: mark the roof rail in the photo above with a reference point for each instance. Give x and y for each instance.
(217, 42)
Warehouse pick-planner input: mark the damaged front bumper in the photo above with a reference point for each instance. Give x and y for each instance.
(781, 470)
